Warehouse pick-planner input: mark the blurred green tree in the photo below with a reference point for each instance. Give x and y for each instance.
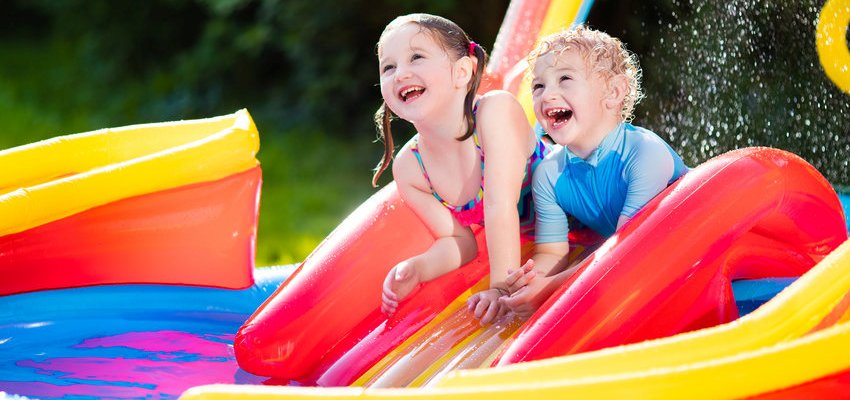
(296, 64)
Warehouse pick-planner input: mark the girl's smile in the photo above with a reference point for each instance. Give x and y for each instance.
(410, 93)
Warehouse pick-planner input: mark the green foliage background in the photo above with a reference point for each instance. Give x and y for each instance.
(717, 76)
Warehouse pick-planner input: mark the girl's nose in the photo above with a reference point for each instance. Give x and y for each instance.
(402, 72)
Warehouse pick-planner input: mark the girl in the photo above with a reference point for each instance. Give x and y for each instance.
(467, 149)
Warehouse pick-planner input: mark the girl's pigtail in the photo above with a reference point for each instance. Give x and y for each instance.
(385, 134)
(474, 50)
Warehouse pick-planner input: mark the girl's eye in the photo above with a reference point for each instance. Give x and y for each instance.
(387, 67)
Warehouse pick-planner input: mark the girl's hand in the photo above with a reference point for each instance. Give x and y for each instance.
(519, 278)
(486, 306)
(399, 283)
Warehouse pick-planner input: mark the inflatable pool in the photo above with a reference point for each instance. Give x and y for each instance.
(129, 252)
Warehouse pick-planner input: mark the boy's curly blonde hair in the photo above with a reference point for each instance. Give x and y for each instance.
(605, 55)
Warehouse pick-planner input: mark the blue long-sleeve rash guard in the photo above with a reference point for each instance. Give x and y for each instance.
(629, 168)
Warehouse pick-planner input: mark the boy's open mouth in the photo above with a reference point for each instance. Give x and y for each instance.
(410, 93)
(559, 116)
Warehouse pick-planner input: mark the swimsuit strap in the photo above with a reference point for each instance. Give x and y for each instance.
(414, 147)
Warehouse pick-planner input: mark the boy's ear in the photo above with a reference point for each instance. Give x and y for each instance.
(618, 87)
(464, 69)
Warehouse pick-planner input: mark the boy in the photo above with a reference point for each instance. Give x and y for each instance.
(584, 87)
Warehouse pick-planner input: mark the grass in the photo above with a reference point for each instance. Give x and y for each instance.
(310, 183)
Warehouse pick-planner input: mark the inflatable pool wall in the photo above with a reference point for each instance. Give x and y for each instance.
(166, 203)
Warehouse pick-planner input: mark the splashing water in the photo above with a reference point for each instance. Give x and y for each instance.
(724, 75)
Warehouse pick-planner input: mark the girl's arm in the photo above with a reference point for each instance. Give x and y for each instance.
(506, 139)
(454, 245)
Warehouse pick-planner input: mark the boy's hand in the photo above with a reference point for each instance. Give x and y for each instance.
(399, 283)
(518, 279)
(525, 301)
(486, 306)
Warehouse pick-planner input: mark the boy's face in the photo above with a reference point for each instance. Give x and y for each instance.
(568, 99)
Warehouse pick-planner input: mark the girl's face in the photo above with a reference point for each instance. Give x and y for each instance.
(568, 99)
(417, 75)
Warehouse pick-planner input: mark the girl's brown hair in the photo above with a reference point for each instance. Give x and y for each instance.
(457, 44)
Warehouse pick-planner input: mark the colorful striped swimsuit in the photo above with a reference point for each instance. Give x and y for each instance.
(473, 211)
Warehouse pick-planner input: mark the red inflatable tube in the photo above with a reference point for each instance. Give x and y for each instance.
(199, 234)
(324, 325)
(829, 387)
(750, 213)
(329, 309)
(516, 38)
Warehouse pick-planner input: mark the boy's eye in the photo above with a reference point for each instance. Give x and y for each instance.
(565, 78)
(537, 86)
(387, 67)
(416, 56)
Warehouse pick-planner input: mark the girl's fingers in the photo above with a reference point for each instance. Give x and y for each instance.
(481, 308)
(492, 312)
(388, 304)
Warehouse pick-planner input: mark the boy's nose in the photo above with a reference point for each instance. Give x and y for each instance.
(549, 93)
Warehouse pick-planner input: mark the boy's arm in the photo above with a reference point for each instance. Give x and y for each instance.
(622, 221)
(646, 176)
(531, 287)
(551, 225)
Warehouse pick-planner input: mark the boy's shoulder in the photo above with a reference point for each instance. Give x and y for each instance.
(639, 138)
(639, 132)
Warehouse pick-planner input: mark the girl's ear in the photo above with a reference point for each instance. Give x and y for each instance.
(464, 69)
(618, 87)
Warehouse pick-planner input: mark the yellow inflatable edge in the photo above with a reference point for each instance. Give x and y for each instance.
(69, 174)
(832, 42)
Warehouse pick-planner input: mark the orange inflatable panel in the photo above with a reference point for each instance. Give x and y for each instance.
(750, 213)
(200, 234)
